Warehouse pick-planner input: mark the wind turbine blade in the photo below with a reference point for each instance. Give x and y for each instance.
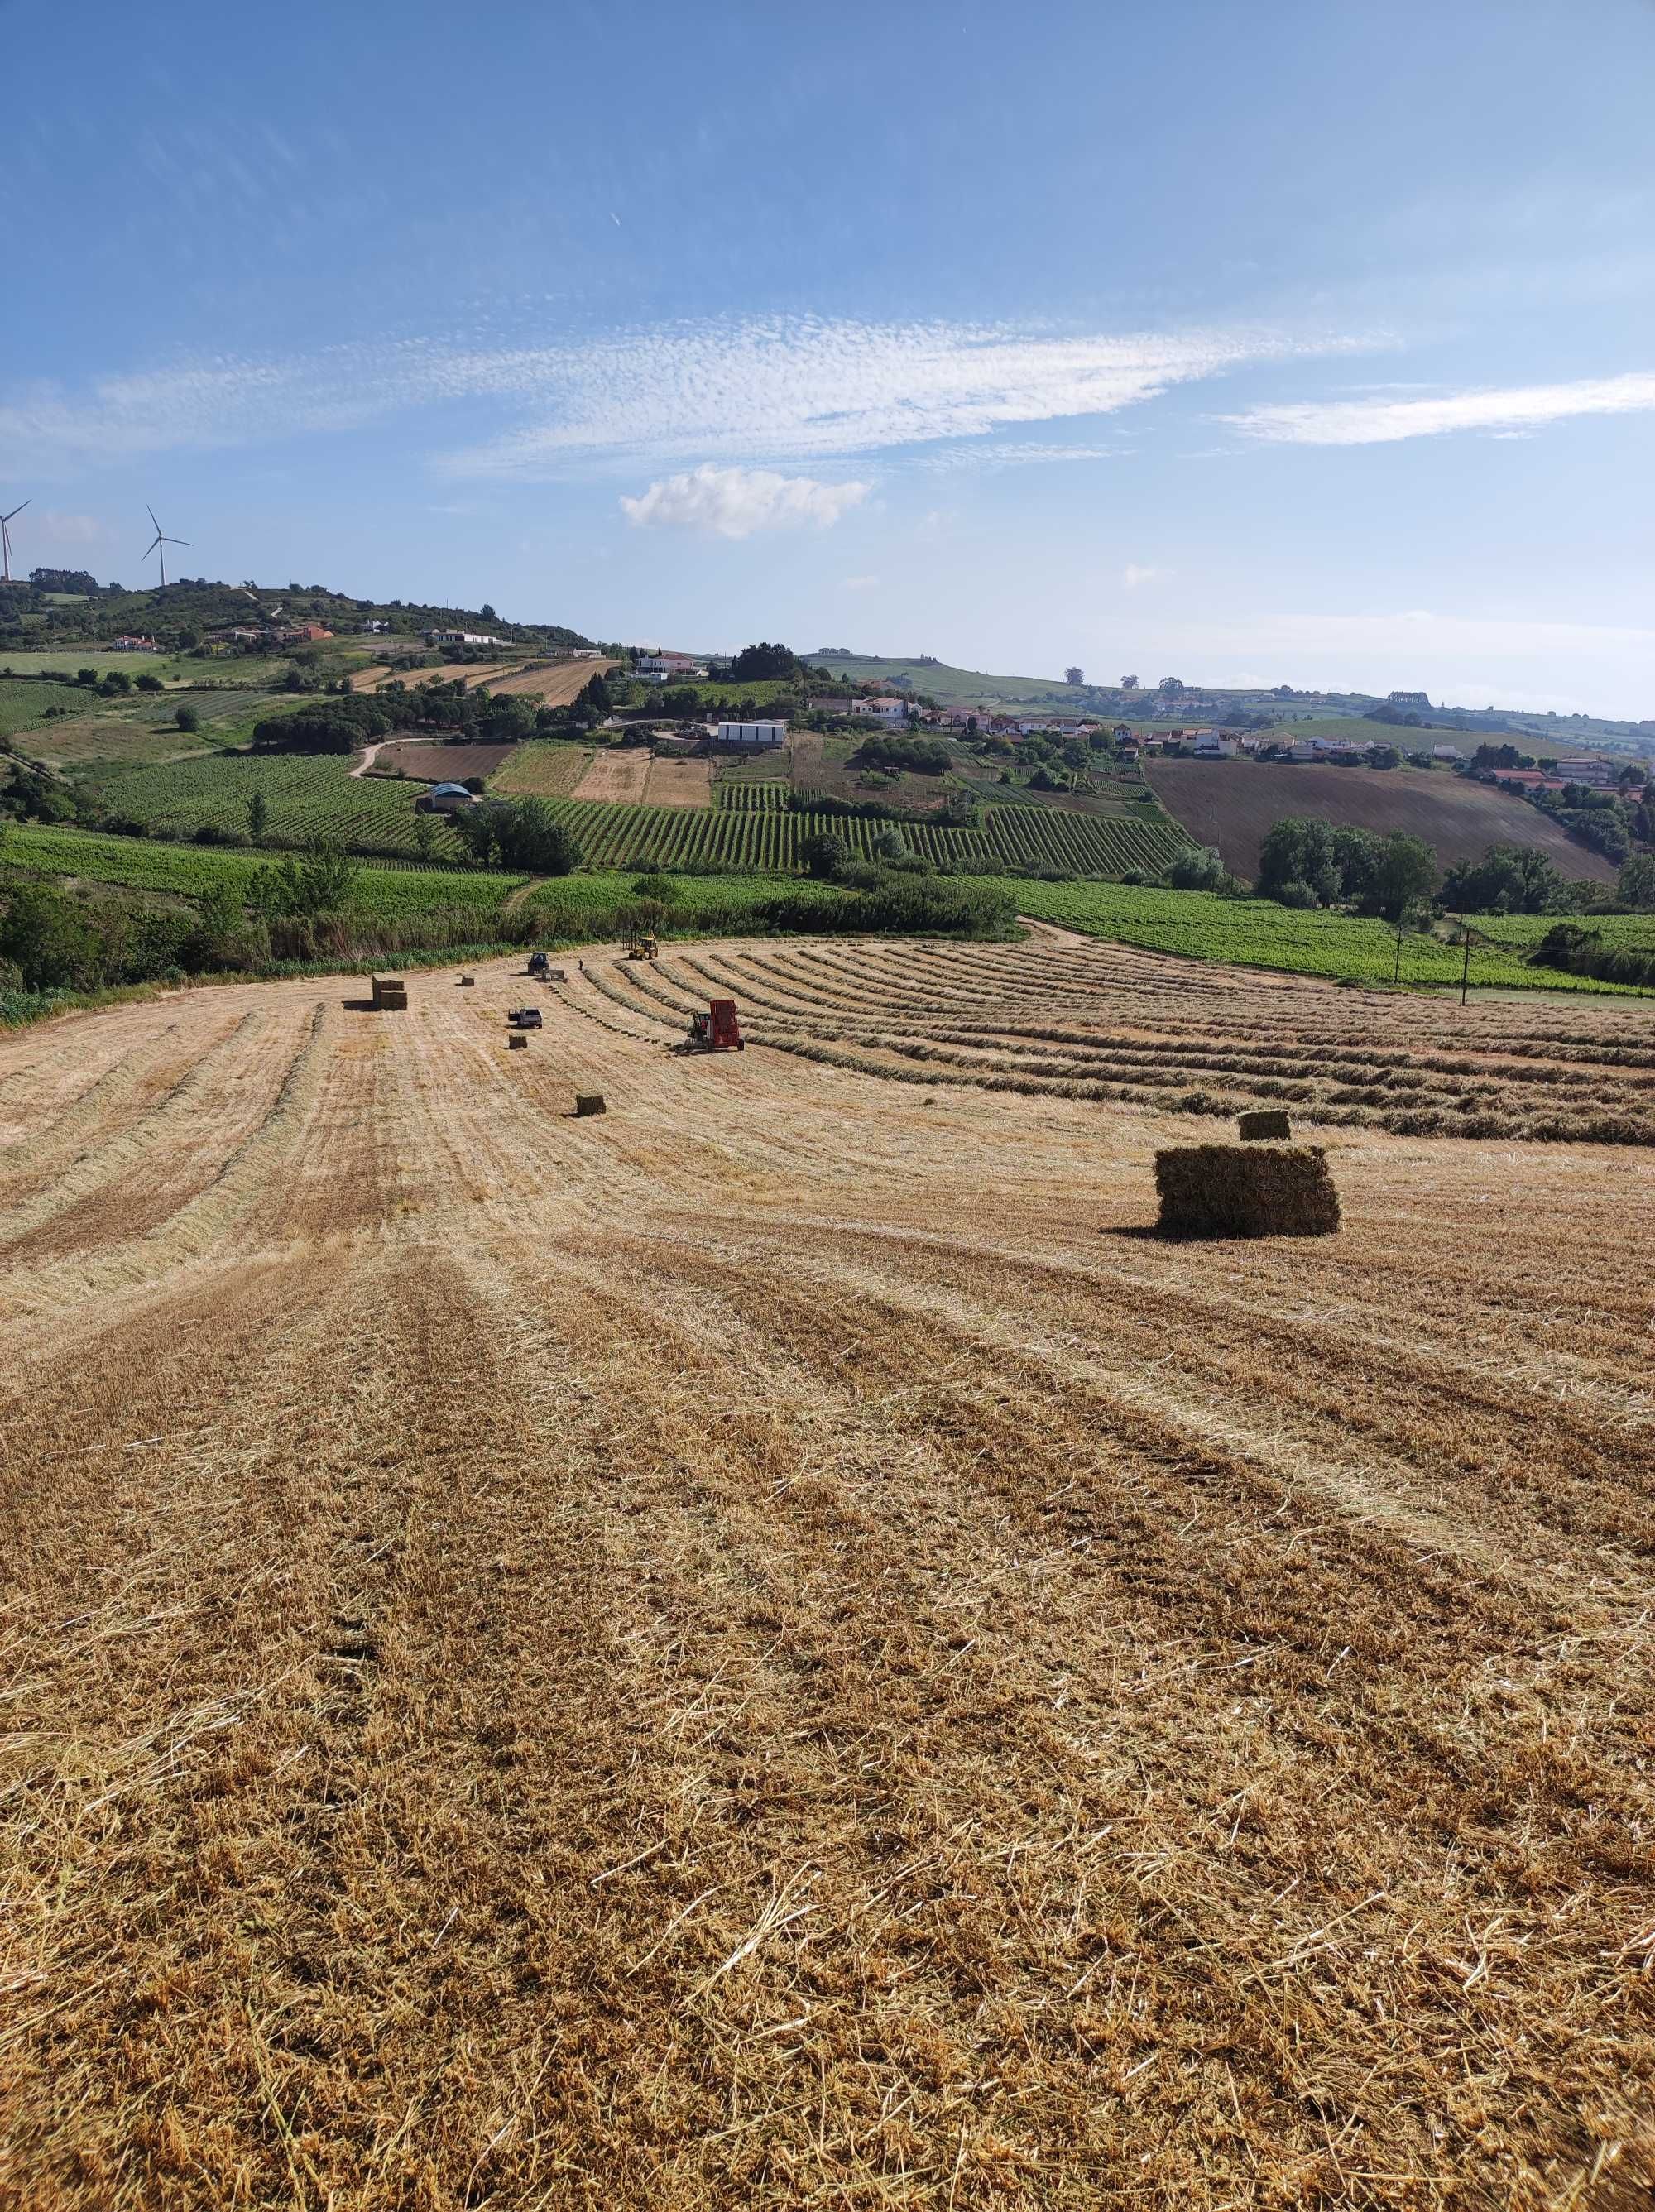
(150, 512)
(179, 541)
(16, 511)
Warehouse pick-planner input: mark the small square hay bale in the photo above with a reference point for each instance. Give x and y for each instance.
(1268, 1121)
(590, 1102)
(517, 1042)
(1245, 1190)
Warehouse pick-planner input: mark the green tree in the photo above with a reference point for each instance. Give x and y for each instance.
(529, 837)
(425, 835)
(1198, 868)
(187, 719)
(1635, 884)
(1507, 879)
(1403, 877)
(48, 938)
(1299, 850)
(258, 817)
(823, 854)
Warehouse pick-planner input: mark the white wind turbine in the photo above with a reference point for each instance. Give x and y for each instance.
(5, 541)
(159, 543)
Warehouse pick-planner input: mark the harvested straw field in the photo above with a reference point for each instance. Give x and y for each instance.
(1106, 1023)
(679, 783)
(774, 1647)
(470, 672)
(560, 685)
(616, 774)
(538, 769)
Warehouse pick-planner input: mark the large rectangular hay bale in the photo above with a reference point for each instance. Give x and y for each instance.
(1245, 1190)
(1268, 1121)
(590, 1102)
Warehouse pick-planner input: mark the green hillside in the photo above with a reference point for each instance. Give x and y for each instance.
(186, 611)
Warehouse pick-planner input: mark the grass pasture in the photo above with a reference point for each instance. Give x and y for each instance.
(821, 767)
(1233, 804)
(778, 1647)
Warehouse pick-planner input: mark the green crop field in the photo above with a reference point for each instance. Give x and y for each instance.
(1257, 933)
(750, 826)
(23, 706)
(191, 871)
(142, 864)
(307, 796)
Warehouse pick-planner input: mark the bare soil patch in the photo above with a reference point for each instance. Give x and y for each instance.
(439, 763)
(617, 773)
(1233, 804)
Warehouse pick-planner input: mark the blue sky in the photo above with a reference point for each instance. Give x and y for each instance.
(1307, 343)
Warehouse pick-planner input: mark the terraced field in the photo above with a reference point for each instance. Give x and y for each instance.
(774, 1647)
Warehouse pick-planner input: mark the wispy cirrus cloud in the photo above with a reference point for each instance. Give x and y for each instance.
(734, 503)
(787, 388)
(1513, 413)
(1134, 575)
(799, 388)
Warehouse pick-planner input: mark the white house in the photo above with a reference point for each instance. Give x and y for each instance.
(756, 735)
(1602, 773)
(1214, 745)
(461, 637)
(884, 709)
(670, 664)
(1450, 753)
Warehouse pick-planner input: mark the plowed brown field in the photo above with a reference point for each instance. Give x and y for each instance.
(1234, 804)
(772, 1649)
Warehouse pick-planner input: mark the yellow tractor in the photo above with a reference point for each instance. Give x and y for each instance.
(643, 948)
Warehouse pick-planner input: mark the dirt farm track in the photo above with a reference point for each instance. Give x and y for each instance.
(775, 1648)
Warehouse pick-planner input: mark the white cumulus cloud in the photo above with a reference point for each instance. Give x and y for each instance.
(734, 503)
(1375, 422)
(1133, 575)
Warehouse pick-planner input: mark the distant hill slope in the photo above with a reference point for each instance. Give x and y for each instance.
(1308, 710)
(188, 610)
(1233, 803)
(955, 687)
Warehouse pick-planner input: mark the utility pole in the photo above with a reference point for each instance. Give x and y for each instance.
(1465, 969)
